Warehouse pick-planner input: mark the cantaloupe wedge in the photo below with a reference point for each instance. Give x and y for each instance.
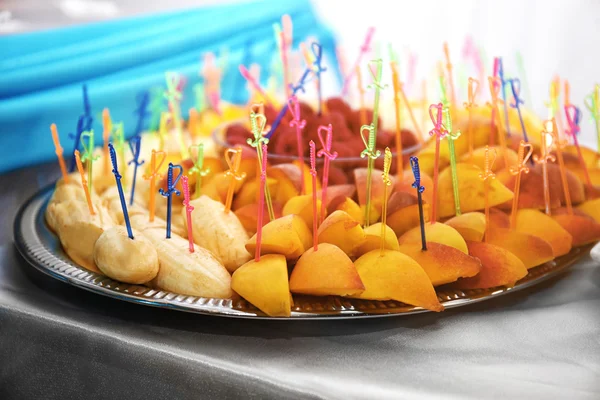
(443, 264)
(499, 267)
(326, 271)
(535, 222)
(265, 284)
(438, 233)
(373, 239)
(396, 276)
(531, 250)
(341, 230)
(287, 235)
(470, 225)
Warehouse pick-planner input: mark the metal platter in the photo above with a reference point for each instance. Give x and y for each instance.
(42, 249)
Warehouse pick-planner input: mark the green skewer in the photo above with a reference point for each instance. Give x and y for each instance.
(452, 136)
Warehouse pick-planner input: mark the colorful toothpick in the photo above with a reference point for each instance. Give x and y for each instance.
(154, 174)
(554, 105)
(253, 83)
(439, 131)
(328, 156)
(559, 144)
(515, 87)
(361, 97)
(451, 136)
(503, 82)
(487, 175)
(257, 125)
(313, 172)
(495, 83)
(84, 182)
(143, 101)
(88, 155)
(573, 115)
(197, 169)
(450, 75)
(543, 158)
(107, 129)
(59, 153)
(261, 202)
(193, 122)
(171, 188)
(396, 86)
(317, 51)
(364, 49)
(135, 147)
(119, 143)
(199, 92)
(523, 156)
(233, 157)
(523, 75)
(81, 122)
(212, 74)
(414, 165)
(294, 106)
(592, 103)
(115, 171)
(473, 88)
(387, 163)
(156, 107)
(165, 119)
(188, 211)
(174, 96)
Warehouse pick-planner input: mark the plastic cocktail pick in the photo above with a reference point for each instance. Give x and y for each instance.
(313, 172)
(212, 81)
(449, 72)
(135, 147)
(197, 169)
(573, 114)
(154, 174)
(165, 118)
(143, 100)
(294, 107)
(503, 82)
(261, 202)
(387, 163)
(472, 90)
(156, 107)
(233, 157)
(107, 129)
(515, 87)
(361, 96)
(410, 110)
(327, 155)
(495, 84)
(188, 211)
(592, 103)
(487, 175)
(253, 82)
(115, 171)
(439, 131)
(317, 51)
(414, 165)
(524, 154)
(174, 96)
(412, 68)
(199, 93)
(59, 153)
(554, 105)
(523, 74)
(88, 155)
(81, 122)
(119, 142)
(171, 188)
(257, 126)
(365, 48)
(396, 86)
(567, 89)
(193, 122)
(543, 159)
(286, 44)
(84, 182)
(451, 136)
(559, 145)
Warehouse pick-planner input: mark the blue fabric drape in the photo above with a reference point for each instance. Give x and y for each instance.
(41, 73)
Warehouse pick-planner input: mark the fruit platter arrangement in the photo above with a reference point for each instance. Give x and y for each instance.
(366, 198)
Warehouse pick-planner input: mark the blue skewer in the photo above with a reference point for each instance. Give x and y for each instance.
(169, 192)
(134, 146)
(113, 159)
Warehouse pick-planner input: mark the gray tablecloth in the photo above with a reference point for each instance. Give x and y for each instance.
(59, 342)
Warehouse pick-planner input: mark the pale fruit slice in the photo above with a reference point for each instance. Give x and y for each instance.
(470, 225)
(443, 264)
(438, 233)
(392, 275)
(531, 250)
(535, 222)
(373, 239)
(342, 230)
(326, 271)
(499, 267)
(265, 284)
(288, 236)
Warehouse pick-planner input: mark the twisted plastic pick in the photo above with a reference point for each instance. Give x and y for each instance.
(107, 128)
(233, 173)
(592, 103)
(487, 175)
(257, 124)
(449, 72)
(84, 182)
(495, 83)
(521, 167)
(503, 88)
(387, 163)
(188, 211)
(364, 49)
(294, 107)
(59, 153)
(573, 114)
(313, 172)
(171, 188)
(515, 87)
(328, 156)
(317, 51)
(414, 165)
(439, 131)
(82, 122)
(142, 100)
(135, 147)
(369, 143)
(152, 178)
(88, 155)
(261, 203)
(543, 159)
(559, 145)
(452, 136)
(197, 167)
(254, 84)
(115, 171)
(156, 107)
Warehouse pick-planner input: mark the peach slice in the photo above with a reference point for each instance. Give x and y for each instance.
(373, 239)
(499, 267)
(583, 229)
(499, 218)
(216, 188)
(470, 225)
(531, 250)
(590, 157)
(443, 264)
(591, 208)
(478, 158)
(287, 235)
(535, 222)
(248, 194)
(377, 188)
(405, 185)
(289, 177)
(337, 191)
(396, 276)
(342, 230)
(302, 206)
(404, 219)
(471, 189)
(438, 233)
(326, 271)
(265, 284)
(347, 205)
(248, 216)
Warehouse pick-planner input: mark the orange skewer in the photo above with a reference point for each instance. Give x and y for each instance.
(84, 182)
(396, 84)
(559, 145)
(543, 158)
(450, 77)
(495, 85)
(233, 173)
(472, 92)
(59, 153)
(107, 129)
(387, 163)
(193, 122)
(152, 178)
(487, 175)
(516, 170)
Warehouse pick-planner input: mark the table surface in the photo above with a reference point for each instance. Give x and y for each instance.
(59, 342)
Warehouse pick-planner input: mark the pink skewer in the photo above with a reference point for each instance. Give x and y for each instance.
(250, 79)
(188, 210)
(363, 50)
(261, 202)
(313, 172)
(328, 156)
(294, 107)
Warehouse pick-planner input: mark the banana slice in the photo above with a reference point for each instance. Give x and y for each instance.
(196, 274)
(222, 234)
(127, 260)
(78, 230)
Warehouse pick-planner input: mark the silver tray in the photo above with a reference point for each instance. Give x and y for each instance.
(42, 249)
